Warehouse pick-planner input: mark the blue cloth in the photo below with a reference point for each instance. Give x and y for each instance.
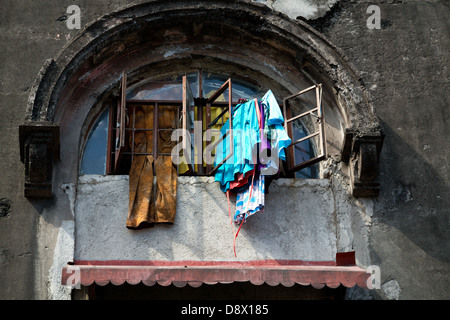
(246, 137)
(279, 137)
(245, 140)
(248, 204)
(275, 115)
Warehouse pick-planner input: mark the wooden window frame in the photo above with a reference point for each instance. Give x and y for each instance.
(120, 127)
(155, 128)
(118, 148)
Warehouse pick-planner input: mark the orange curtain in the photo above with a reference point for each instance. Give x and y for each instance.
(153, 183)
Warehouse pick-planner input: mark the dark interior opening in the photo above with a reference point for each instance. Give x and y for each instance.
(233, 291)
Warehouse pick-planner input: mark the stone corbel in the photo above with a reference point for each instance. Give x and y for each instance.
(362, 153)
(39, 148)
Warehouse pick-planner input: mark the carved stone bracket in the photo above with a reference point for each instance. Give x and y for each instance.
(39, 148)
(362, 153)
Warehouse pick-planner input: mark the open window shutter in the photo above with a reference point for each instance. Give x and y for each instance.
(120, 120)
(229, 133)
(317, 114)
(187, 121)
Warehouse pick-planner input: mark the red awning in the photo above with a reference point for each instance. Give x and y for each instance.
(195, 273)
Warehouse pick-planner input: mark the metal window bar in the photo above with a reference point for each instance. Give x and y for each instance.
(210, 124)
(110, 147)
(209, 102)
(292, 167)
(208, 132)
(155, 104)
(187, 103)
(132, 133)
(155, 130)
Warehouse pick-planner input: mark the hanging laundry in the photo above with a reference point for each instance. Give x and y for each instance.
(265, 148)
(259, 142)
(278, 136)
(242, 181)
(253, 123)
(246, 137)
(250, 200)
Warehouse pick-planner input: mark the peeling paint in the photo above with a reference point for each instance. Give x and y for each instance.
(391, 289)
(63, 253)
(307, 9)
(70, 190)
(174, 51)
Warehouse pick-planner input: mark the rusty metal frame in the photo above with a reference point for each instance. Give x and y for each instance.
(209, 102)
(110, 151)
(291, 166)
(120, 118)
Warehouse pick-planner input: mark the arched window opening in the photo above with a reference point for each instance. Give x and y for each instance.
(166, 96)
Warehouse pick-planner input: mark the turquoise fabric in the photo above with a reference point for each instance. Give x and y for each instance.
(279, 137)
(245, 140)
(275, 115)
(246, 137)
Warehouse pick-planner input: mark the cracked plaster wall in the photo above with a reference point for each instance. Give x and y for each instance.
(405, 67)
(308, 226)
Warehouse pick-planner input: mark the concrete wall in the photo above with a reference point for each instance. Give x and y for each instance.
(298, 223)
(404, 65)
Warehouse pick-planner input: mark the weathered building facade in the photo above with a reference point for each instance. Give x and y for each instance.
(380, 192)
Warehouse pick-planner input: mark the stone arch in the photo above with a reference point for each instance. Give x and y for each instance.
(151, 38)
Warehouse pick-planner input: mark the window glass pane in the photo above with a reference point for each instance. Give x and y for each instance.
(241, 89)
(165, 89)
(157, 90)
(171, 88)
(94, 155)
(302, 127)
(303, 151)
